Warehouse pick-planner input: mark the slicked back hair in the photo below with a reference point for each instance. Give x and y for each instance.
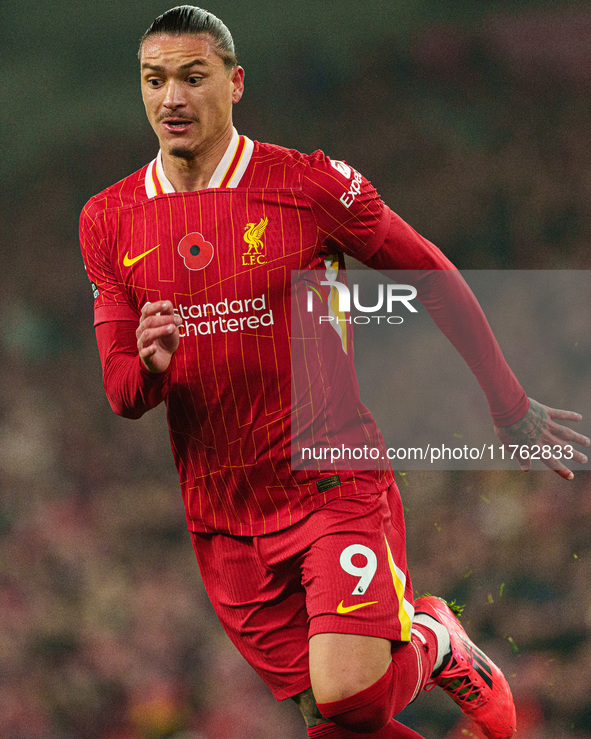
(190, 20)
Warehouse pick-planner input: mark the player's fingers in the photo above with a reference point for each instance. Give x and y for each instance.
(574, 438)
(564, 433)
(559, 468)
(160, 320)
(150, 335)
(165, 307)
(561, 415)
(580, 457)
(524, 463)
(569, 452)
(147, 351)
(159, 307)
(155, 323)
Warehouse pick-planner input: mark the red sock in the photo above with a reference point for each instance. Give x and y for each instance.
(371, 710)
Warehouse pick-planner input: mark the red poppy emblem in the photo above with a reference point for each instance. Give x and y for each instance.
(195, 250)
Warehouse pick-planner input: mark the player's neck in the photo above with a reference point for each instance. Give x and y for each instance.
(187, 174)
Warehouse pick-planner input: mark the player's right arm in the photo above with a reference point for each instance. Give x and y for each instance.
(135, 357)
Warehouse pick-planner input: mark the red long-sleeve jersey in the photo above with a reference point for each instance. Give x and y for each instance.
(225, 257)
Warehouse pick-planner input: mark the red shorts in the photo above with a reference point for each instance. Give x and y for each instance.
(341, 569)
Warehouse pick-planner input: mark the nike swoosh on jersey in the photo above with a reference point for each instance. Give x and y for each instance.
(128, 261)
(341, 608)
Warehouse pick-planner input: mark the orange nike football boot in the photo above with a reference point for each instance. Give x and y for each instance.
(472, 680)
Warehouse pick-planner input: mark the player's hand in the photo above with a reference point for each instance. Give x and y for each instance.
(158, 335)
(537, 434)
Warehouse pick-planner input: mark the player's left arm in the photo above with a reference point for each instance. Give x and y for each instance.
(521, 423)
(357, 222)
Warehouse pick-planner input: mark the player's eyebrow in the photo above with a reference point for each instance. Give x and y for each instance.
(194, 63)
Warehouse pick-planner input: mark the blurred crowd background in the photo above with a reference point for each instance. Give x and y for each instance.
(473, 119)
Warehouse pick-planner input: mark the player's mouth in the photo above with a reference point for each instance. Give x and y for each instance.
(176, 125)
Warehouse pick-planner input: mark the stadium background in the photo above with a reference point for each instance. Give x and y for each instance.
(473, 119)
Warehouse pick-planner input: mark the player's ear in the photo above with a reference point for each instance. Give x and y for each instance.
(237, 78)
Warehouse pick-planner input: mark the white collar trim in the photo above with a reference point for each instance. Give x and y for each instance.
(228, 173)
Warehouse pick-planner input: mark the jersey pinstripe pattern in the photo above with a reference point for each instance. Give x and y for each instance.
(229, 394)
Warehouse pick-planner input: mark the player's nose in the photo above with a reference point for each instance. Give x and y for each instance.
(174, 97)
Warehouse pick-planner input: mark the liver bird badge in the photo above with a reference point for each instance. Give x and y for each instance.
(253, 233)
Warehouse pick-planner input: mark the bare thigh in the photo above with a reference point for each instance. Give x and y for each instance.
(344, 664)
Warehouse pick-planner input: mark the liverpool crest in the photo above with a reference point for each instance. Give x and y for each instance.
(253, 233)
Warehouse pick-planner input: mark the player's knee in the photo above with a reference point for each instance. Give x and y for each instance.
(366, 711)
(309, 710)
(365, 719)
(359, 719)
(332, 689)
(335, 685)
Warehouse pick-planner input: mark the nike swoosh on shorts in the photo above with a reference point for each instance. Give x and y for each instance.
(341, 608)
